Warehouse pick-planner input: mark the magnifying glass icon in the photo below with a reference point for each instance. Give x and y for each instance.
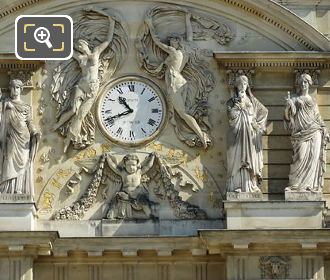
(41, 35)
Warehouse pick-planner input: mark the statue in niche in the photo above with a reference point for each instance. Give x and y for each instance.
(19, 141)
(127, 187)
(100, 46)
(309, 138)
(188, 80)
(133, 194)
(247, 123)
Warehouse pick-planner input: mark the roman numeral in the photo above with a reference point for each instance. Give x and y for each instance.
(120, 91)
(143, 130)
(151, 122)
(131, 134)
(131, 88)
(110, 122)
(154, 110)
(152, 99)
(119, 131)
(143, 91)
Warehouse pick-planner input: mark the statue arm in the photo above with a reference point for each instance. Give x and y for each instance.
(100, 48)
(163, 46)
(189, 28)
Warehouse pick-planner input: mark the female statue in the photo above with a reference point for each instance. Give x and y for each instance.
(309, 138)
(247, 122)
(175, 83)
(19, 143)
(75, 91)
(187, 77)
(87, 87)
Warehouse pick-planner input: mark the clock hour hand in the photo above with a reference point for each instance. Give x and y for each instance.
(122, 100)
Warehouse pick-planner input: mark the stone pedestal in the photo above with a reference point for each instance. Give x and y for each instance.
(274, 214)
(244, 196)
(303, 196)
(17, 212)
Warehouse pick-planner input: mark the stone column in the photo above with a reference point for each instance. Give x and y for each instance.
(16, 268)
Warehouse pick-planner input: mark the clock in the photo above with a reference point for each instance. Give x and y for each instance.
(131, 111)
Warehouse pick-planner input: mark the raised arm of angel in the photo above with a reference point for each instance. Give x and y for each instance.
(101, 47)
(148, 163)
(112, 162)
(157, 41)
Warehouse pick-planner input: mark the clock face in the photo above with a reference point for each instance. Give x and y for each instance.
(131, 111)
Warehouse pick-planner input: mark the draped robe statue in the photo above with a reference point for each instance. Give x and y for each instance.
(247, 121)
(19, 142)
(309, 138)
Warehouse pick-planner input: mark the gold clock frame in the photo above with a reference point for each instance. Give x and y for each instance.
(137, 78)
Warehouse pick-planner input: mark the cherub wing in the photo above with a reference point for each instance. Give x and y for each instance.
(152, 166)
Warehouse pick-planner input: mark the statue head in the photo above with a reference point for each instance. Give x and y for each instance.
(131, 163)
(175, 41)
(242, 85)
(16, 87)
(304, 81)
(83, 46)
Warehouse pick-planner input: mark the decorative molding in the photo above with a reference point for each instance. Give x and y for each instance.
(314, 73)
(254, 8)
(275, 267)
(24, 75)
(271, 60)
(233, 73)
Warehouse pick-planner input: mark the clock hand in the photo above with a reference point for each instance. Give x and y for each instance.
(111, 118)
(122, 100)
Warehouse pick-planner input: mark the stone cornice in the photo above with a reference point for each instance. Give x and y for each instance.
(270, 13)
(244, 60)
(209, 242)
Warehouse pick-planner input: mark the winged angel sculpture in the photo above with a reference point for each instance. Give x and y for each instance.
(172, 56)
(127, 188)
(101, 44)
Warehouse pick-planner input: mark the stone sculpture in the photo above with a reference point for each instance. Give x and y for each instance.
(275, 267)
(247, 122)
(188, 80)
(19, 141)
(133, 194)
(101, 44)
(128, 189)
(309, 138)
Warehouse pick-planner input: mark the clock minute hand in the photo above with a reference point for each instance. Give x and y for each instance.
(112, 118)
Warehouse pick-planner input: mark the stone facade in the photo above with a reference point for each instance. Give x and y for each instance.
(126, 191)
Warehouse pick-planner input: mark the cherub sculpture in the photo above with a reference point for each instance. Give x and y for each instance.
(133, 194)
(127, 189)
(100, 46)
